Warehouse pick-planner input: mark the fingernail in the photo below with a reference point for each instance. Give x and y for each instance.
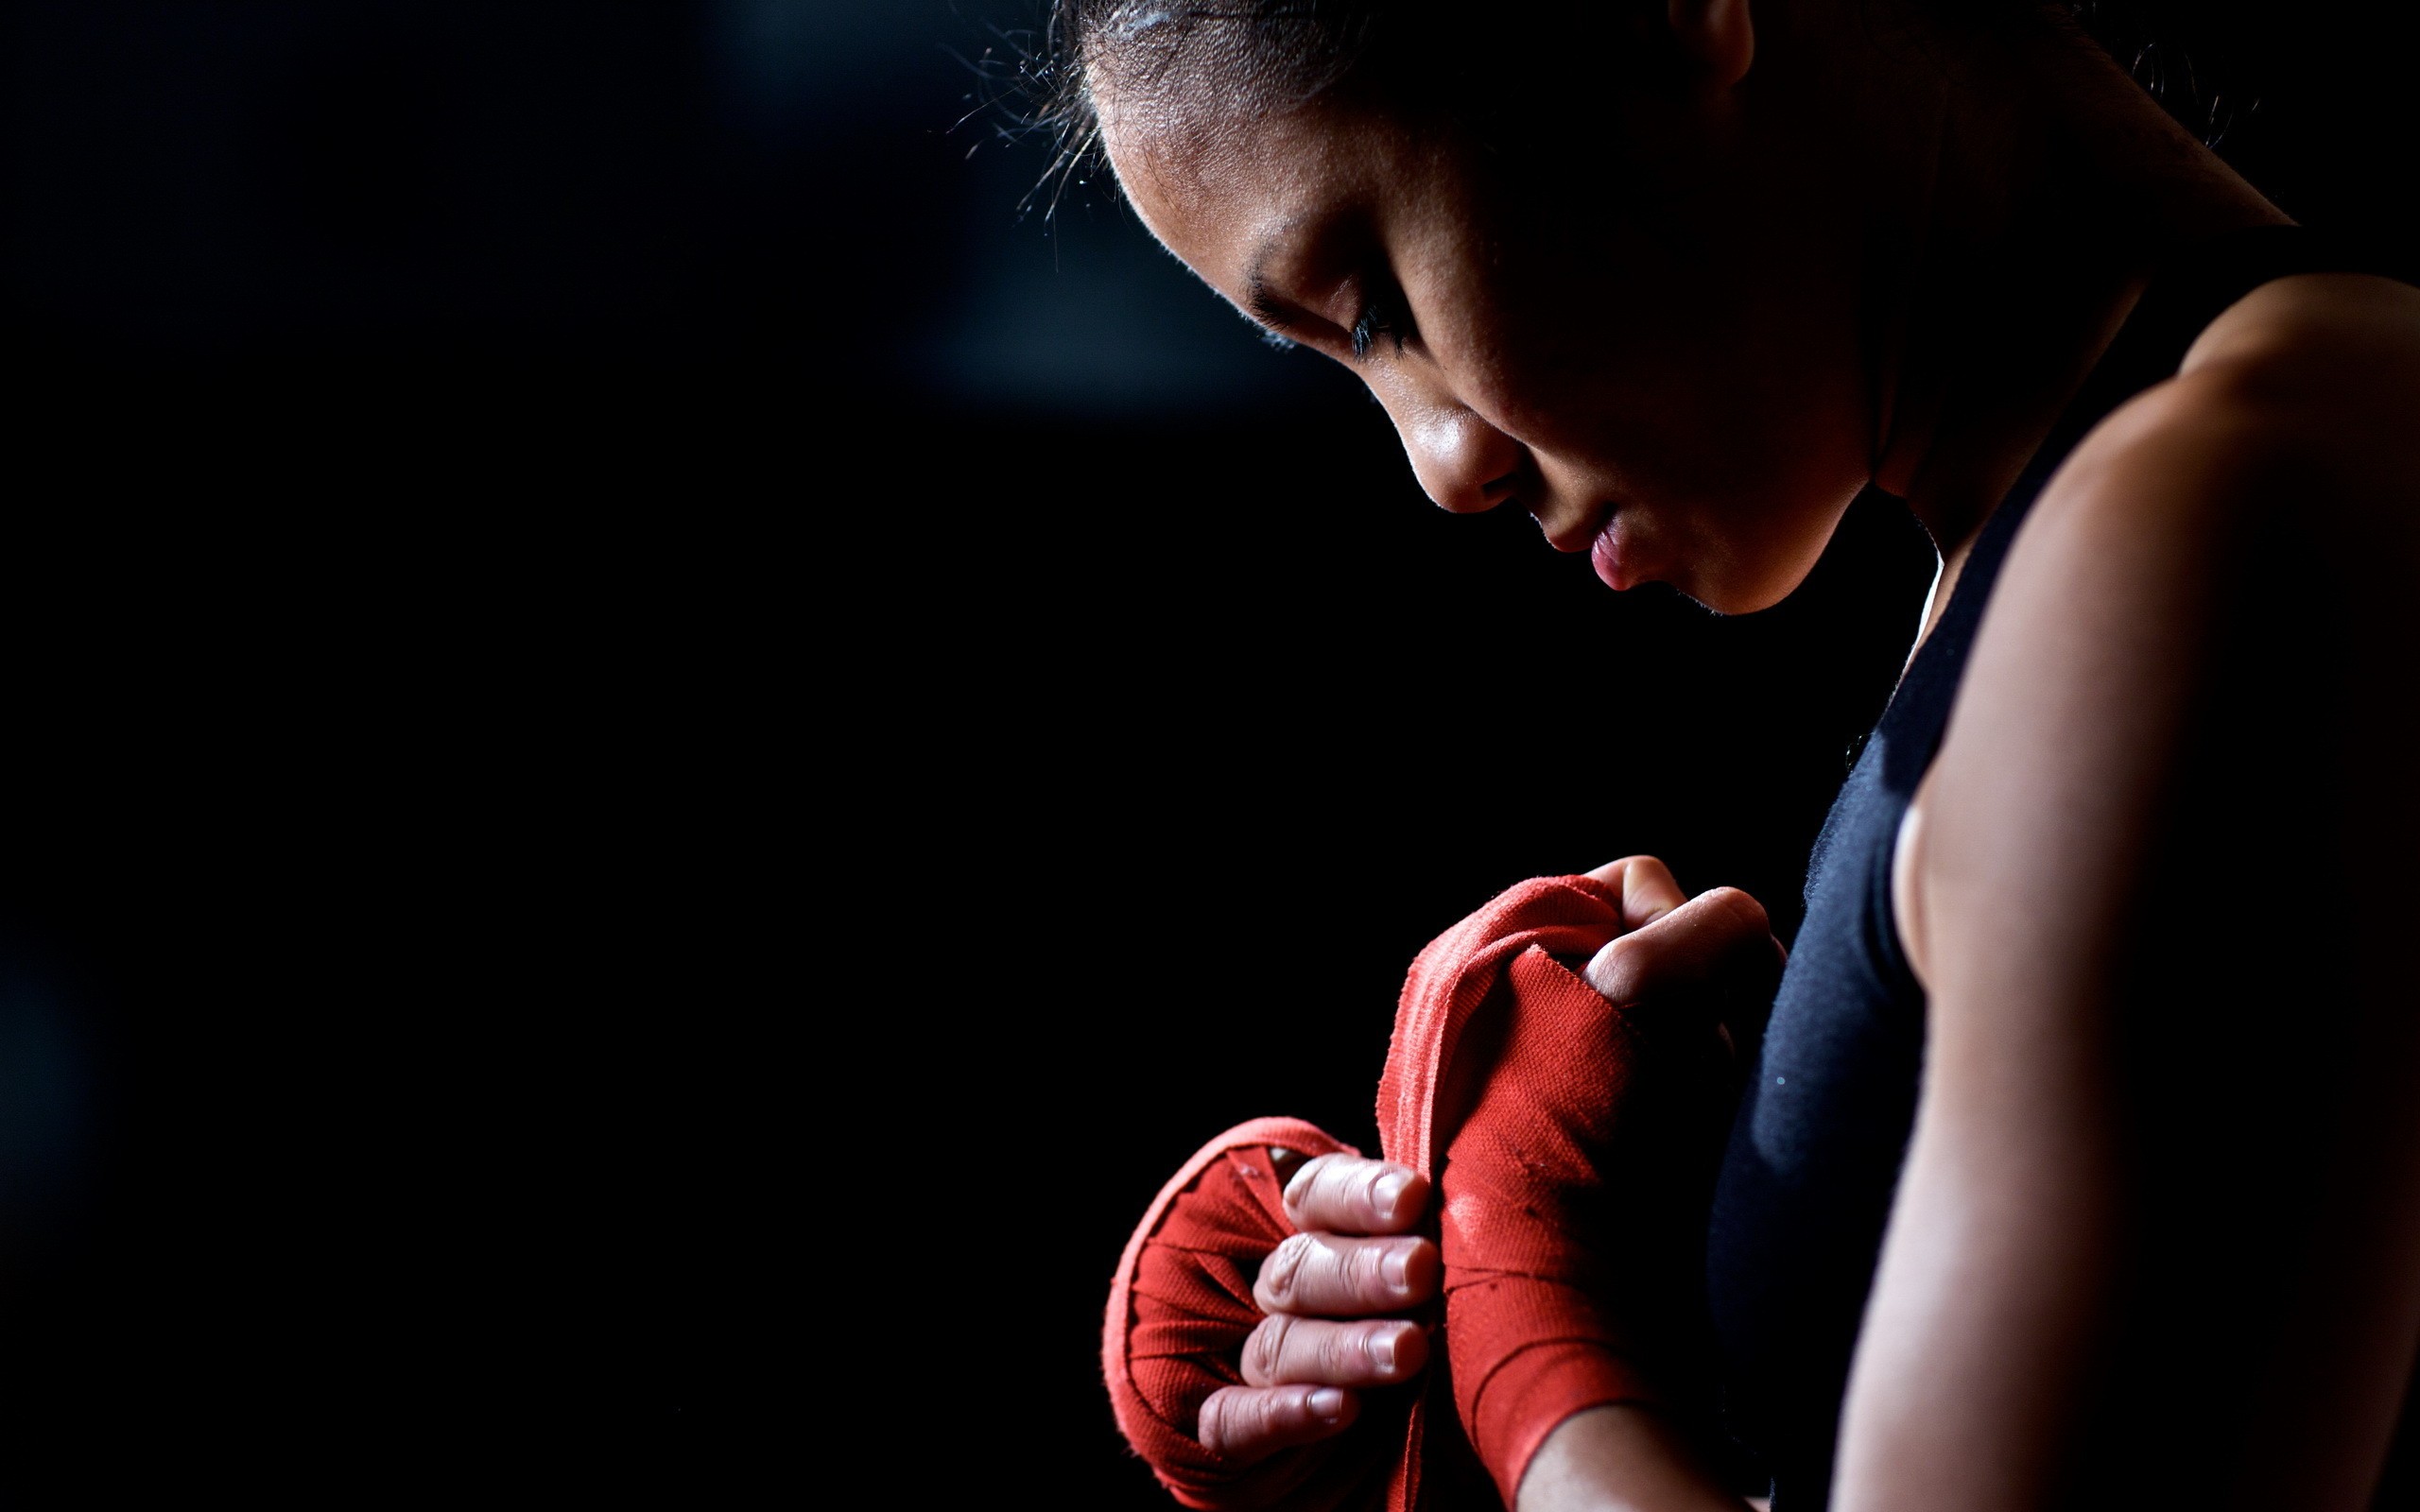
(1382, 1351)
(1394, 1268)
(1387, 1193)
(1327, 1403)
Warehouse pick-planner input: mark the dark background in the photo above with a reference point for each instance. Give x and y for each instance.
(661, 757)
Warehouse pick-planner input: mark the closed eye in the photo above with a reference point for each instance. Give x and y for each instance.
(1384, 317)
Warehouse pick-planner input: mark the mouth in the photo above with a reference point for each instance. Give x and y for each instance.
(1582, 534)
(1605, 554)
(1599, 534)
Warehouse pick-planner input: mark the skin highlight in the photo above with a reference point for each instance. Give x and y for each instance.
(1852, 253)
(1504, 392)
(1696, 391)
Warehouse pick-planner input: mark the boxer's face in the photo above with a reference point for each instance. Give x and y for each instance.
(1647, 337)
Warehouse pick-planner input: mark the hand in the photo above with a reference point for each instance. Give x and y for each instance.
(1335, 1292)
(1718, 947)
(1328, 1291)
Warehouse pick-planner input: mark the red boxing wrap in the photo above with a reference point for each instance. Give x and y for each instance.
(1566, 1136)
(1179, 1311)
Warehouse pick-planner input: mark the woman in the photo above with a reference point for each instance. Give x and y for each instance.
(2081, 1162)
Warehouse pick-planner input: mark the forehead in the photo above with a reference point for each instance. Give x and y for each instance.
(1214, 173)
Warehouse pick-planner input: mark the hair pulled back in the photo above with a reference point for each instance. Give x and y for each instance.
(1275, 52)
(1280, 52)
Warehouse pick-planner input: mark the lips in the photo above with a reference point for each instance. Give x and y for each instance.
(1600, 536)
(1581, 534)
(1605, 555)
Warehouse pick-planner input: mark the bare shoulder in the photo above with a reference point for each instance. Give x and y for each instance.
(2158, 873)
(2304, 396)
(2284, 457)
(2348, 339)
(2266, 500)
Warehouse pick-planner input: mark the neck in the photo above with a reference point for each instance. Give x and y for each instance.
(2033, 204)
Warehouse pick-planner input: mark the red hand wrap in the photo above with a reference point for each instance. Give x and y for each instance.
(1179, 1312)
(1563, 1127)
(1561, 1131)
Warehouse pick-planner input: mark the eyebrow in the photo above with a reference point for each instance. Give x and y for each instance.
(1259, 302)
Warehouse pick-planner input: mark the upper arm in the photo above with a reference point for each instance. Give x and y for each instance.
(2161, 1216)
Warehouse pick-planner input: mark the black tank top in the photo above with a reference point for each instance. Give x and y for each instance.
(1823, 1122)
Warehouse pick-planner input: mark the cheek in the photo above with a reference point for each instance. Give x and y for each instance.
(1728, 406)
(1738, 464)
(1750, 421)
(1754, 563)
(1725, 366)
(1757, 510)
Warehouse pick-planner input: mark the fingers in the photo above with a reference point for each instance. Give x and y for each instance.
(1649, 892)
(1247, 1423)
(1719, 940)
(1349, 1195)
(1287, 1351)
(1330, 1275)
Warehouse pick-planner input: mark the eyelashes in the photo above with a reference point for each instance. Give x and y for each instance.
(1385, 315)
(1384, 318)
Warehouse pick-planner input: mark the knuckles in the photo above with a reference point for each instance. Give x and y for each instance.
(1245, 1424)
(1304, 1190)
(1218, 1427)
(1344, 1354)
(1320, 1274)
(1210, 1424)
(1363, 1277)
(1623, 969)
(1745, 914)
(1351, 1195)
(1331, 1191)
(1281, 1270)
(1265, 1349)
(1716, 936)
(1284, 1351)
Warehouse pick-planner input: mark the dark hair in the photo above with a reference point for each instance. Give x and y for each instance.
(1299, 50)
(1284, 49)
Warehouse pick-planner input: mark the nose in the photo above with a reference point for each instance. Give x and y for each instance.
(1465, 464)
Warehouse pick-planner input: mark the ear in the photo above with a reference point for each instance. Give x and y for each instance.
(1715, 35)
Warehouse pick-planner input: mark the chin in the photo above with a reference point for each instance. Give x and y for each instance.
(1729, 600)
(1754, 571)
(1737, 585)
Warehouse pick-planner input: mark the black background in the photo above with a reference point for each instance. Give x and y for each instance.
(660, 757)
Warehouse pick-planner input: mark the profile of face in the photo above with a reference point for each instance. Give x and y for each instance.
(1635, 311)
